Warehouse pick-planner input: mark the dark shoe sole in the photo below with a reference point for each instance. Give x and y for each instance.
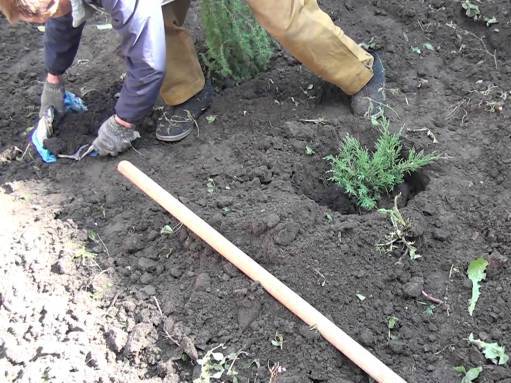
(174, 138)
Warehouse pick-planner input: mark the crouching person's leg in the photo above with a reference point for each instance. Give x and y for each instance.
(309, 34)
(184, 87)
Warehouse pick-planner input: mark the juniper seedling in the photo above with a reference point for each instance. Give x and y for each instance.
(237, 46)
(367, 176)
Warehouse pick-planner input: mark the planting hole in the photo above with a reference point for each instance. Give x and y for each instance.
(312, 180)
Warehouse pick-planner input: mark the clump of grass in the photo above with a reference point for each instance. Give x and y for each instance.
(367, 176)
(237, 46)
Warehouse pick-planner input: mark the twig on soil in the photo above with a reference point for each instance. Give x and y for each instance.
(459, 105)
(429, 133)
(320, 121)
(104, 246)
(137, 151)
(455, 27)
(24, 152)
(446, 294)
(114, 300)
(98, 274)
(158, 306)
(443, 349)
(190, 116)
(163, 326)
(275, 371)
(432, 298)
(398, 238)
(323, 282)
(381, 104)
(234, 361)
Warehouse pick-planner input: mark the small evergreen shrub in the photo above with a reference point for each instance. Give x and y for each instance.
(237, 46)
(366, 176)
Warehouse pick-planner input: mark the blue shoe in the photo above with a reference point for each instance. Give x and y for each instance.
(370, 100)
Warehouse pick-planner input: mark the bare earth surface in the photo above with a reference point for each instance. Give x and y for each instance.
(92, 291)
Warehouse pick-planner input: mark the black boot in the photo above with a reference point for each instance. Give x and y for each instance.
(178, 122)
(371, 98)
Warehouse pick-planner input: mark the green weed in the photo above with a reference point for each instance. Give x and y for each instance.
(215, 364)
(237, 46)
(278, 341)
(476, 273)
(471, 10)
(492, 351)
(365, 175)
(391, 324)
(468, 375)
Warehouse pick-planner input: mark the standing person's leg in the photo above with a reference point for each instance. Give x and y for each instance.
(184, 87)
(309, 34)
(184, 77)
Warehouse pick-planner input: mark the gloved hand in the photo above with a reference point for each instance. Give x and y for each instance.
(114, 138)
(53, 95)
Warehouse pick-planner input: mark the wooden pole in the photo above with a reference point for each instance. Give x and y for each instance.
(296, 304)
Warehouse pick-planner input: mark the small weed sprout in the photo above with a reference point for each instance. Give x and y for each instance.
(470, 375)
(471, 10)
(370, 44)
(215, 364)
(492, 351)
(309, 151)
(278, 341)
(167, 230)
(366, 176)
(210, 119)
(275, 371)
(237, 46)
(398, 237)
(84, 256)
(391, 324)
(211, 186)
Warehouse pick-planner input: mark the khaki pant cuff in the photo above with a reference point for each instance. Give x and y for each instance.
(183, 94)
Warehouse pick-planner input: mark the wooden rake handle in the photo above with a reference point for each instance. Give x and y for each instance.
(296, 304)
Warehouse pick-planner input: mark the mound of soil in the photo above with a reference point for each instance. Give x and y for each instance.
(92, 289)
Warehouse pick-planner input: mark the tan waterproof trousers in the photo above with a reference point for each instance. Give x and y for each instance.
(300, 26)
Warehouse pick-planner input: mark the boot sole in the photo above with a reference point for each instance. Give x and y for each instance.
(176, 138)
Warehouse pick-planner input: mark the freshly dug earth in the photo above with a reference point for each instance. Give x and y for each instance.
(91, 290)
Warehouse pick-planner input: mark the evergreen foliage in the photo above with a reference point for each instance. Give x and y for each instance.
(366, 176)
(237, 46)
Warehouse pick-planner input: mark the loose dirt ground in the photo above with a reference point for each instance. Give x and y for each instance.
(91, 291)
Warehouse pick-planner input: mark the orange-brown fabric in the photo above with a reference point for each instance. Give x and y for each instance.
(310, 35)
(184, 77)
(300, 26)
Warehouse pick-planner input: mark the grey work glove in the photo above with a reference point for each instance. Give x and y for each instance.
(114, 138)
(53, 95)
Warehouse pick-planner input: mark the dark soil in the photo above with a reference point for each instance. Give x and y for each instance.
(92, 291)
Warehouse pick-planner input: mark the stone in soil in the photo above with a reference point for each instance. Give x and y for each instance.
(248, 312)
(413, 288)
(142, 336)
(65, 266)
(286, 233)
(116, 339)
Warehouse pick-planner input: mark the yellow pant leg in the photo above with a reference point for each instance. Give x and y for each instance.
(309, 34)
(184, 77)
